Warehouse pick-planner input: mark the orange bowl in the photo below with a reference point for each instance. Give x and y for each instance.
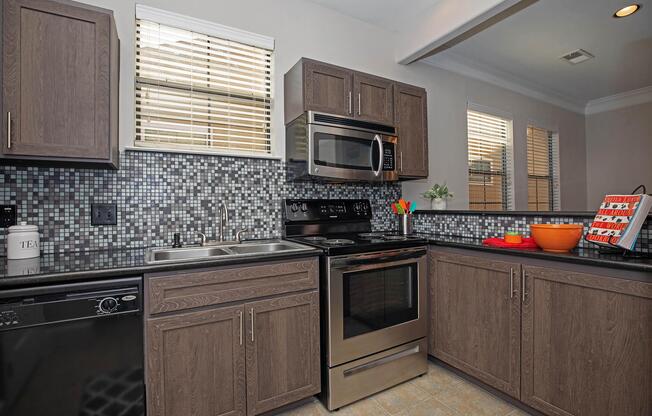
(557, 238)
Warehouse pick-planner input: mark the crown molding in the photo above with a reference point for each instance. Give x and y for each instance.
(455, 63)
(621, 100)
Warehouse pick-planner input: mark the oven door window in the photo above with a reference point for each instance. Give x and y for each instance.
(343, 152)
(379, 298)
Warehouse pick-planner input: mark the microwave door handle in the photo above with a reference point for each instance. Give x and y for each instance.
(378, 140)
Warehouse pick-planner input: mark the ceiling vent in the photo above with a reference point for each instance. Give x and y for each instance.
(577, 56)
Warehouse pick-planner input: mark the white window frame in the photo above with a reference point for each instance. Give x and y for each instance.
(509, 168)
(556, 180)
(205, 27)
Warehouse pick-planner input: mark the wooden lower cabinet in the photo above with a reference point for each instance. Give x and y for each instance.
(282, 351)
(242, 359)
(570, 341)
(196, 364)
(587, 344)
(476, 318)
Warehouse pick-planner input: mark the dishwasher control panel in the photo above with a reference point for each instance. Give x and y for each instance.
(43, 309)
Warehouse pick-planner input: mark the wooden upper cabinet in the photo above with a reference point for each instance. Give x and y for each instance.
(476, 318)
(373, 98)
(282, 351)
(60, 82)
(316, 86)
(196, 364)
(328, 88)
(587, 344)
(411, 118)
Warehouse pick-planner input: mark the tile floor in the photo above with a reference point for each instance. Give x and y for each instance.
(438, 393)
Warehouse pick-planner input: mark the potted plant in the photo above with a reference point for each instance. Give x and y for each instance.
(438, 196)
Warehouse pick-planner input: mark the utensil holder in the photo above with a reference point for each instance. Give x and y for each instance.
(405, 224)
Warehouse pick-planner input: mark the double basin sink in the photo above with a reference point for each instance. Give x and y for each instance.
(221, 250)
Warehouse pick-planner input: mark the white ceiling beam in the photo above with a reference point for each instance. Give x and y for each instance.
(448, 21)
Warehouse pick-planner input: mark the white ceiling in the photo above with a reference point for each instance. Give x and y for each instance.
(525, 49)
(391, 14)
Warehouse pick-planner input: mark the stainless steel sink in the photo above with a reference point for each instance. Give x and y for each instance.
(250, 248)
(224, 250)
(179, 254)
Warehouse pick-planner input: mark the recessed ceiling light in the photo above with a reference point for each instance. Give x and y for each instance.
(627, 10)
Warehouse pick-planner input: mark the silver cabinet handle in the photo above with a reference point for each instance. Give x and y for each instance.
(359, 105)
(8, 129)
(350, 104)
(251, 313)
(401, 161)
(241, 319)
(511, 282)
(523, 292)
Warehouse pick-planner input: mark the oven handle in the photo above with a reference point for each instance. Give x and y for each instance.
(376, 258)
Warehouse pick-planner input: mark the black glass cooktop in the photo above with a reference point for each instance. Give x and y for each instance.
(351, 243)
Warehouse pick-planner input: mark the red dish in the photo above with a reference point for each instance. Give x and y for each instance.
(527, 244)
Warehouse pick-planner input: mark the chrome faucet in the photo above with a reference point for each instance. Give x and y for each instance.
(238, 235)
(223, 220)
(202, 239)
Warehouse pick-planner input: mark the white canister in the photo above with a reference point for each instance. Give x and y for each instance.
(23, 242)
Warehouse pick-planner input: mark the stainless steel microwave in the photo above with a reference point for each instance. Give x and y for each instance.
(332, 148)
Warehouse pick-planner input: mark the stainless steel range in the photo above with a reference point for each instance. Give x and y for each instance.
(373, 298)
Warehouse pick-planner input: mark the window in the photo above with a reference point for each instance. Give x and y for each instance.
(198, 91)
(542, 170)
(490, 161)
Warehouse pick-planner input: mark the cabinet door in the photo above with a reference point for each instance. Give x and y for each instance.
(411, 117)
(476, 318)
(373, 98)
(282, 351)
(328, 89)
(56, 80)
(587, 344)
(196, 364)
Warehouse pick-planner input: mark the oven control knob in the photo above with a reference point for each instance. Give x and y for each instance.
(294, 207)
(108, 305)
(304, 207)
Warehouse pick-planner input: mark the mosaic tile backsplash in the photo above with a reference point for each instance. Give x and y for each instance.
(485, 226)
(158, 194)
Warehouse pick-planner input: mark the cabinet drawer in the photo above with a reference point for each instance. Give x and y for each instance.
(176, 291)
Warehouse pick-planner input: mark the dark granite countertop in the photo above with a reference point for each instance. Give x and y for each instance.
(93, 265)
(563, 214)
(586, 256)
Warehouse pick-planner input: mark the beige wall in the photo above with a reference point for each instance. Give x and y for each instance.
(301, 28)
(619, 152)
(447, 146)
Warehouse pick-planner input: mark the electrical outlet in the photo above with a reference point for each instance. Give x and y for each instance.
(104, 214)
(7, 215)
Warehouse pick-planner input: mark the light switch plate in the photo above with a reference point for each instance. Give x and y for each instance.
(104, 214)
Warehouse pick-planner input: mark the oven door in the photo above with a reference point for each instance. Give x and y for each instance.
(376, 301)
(347, 154)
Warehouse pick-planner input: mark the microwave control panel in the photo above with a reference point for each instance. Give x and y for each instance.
(321, 210)
(389, 157)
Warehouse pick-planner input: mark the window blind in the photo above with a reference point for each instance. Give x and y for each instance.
(195, 91)
(542, 168)
(490, 161)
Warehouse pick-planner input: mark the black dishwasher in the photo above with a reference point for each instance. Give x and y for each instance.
(72, 350)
